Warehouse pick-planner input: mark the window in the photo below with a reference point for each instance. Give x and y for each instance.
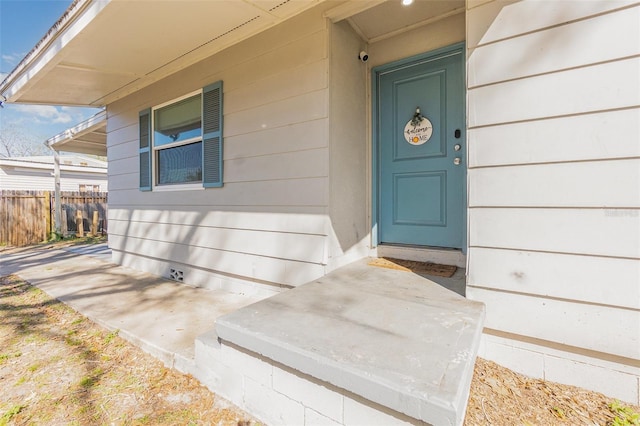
(88, 188)
(177, 141)
(181, 141)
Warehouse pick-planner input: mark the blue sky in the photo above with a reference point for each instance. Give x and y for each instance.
(22, 24)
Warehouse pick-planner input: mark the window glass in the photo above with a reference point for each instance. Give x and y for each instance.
(178, 122)
(180, 164)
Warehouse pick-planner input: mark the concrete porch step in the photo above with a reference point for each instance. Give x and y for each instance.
(394, 338)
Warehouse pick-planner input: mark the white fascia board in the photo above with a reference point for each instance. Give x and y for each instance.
(47, 54)
(28, 165)
(91, 124)
(83, 169)
(24, 164)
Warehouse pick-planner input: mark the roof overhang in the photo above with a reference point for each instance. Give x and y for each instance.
(103, 50)
(88, 137)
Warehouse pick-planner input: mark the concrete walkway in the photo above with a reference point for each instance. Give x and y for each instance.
(160, 316)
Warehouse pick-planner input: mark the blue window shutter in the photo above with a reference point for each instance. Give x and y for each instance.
(144, 152)
(212, 135)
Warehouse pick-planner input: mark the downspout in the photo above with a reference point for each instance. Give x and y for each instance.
(56, 186)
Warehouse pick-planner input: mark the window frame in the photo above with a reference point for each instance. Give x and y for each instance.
(155, 149)
(211, 139)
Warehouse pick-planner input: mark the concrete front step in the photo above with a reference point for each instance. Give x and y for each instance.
(362, 345)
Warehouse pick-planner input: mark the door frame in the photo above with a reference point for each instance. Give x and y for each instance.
(375, 143)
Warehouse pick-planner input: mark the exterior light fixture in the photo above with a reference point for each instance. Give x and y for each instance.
(406, 2)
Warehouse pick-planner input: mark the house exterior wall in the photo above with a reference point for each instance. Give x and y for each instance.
(21, 179)
(270, 224)
(553, 181)
(349, 236)
(554, 188)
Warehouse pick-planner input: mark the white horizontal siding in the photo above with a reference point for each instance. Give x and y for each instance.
(267, 223)
(554, 178)
(599, 328)
(123, 181)
(72, 182)
(598, 136)
(569, 276)
(307, 135)
(266, 57)
(123, 136)
(499, 20)
(281, 245)
(612, 183)
(306, 107)
(567, 46)
(240, 265)
(289, 83)
(125, 165)
(42, 180)
(607, 86)
(291, 165)
(304, 220)
(296, 192)
(600, 232)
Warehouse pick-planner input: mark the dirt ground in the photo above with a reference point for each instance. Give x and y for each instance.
(59, 368)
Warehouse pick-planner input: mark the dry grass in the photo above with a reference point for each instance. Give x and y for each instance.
(57, 367)
(500, 396)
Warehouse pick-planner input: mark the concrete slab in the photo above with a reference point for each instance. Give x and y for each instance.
(161, 316)
(393, 337)
(100, 251)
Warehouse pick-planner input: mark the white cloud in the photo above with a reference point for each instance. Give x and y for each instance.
(45, 113)
(13, 58)
(75, 113)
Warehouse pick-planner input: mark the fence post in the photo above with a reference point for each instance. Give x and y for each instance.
(46, 211)
(79, 224)
(94, 224)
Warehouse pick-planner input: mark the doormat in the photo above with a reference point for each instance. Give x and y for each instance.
(414, 266)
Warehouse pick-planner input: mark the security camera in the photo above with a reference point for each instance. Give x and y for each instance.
(363, 56)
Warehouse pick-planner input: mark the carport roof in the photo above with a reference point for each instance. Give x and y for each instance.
(88, 137)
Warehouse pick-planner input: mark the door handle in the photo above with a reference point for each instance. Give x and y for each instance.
(457, 161)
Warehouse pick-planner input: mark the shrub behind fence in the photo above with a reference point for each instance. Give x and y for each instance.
(27, 217)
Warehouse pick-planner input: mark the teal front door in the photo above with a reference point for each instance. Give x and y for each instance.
(420, 147)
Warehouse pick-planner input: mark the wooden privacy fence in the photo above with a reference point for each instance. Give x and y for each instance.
(28, 217)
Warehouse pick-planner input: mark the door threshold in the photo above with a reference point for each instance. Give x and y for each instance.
(441, 255)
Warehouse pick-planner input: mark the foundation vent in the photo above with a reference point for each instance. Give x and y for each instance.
(176, 275)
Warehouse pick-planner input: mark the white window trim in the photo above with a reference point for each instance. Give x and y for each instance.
(194, 186)
(178, 99)
(155, 186)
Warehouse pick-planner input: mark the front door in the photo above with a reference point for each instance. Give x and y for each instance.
(420, 148)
